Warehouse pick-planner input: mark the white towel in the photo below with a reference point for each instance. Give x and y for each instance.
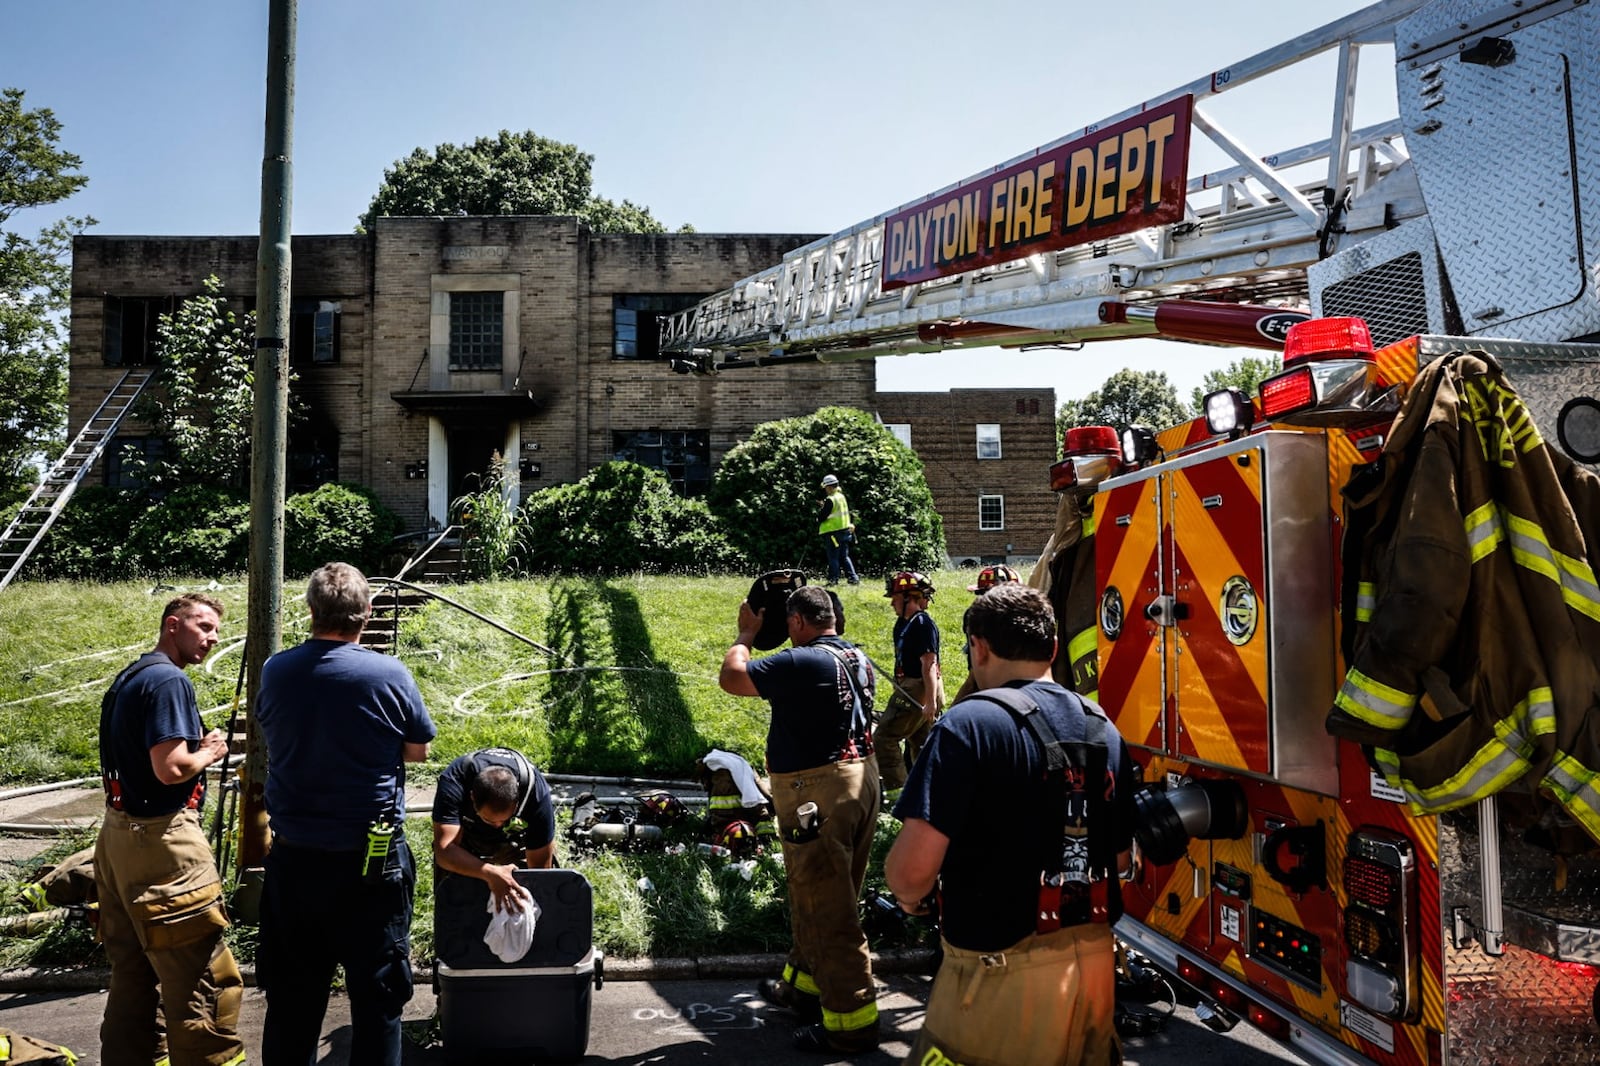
(743, 775)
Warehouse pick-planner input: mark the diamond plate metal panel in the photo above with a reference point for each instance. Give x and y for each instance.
(1392, 281)
(1546, 376)
(1523, 1008)
(1506, 221)
(1506, 252)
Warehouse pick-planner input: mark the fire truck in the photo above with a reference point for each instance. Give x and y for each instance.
(1285, 876)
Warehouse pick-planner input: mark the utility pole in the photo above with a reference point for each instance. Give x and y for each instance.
(269, 429)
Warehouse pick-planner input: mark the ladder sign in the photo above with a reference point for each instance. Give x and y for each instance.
(1125, 177)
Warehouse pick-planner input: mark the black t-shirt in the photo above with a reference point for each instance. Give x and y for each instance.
(980, 781)
(914, 637)
(817, 716)
(153, 705)
(534, 824)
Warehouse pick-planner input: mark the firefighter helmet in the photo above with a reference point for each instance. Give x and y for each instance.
(908, 581)
(990, 576)
(661, 808)
(829, 481)
(738, 837)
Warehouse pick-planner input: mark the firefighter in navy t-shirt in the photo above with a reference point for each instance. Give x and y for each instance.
(919, 689)
(819, 753)
(1028, 974)
(488, 806)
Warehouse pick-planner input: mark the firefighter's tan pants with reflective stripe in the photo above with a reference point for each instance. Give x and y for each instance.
(1047, 1001)
(161, 920)
(902, 723)
(825, 876)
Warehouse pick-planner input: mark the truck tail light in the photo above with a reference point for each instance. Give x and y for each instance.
(1270, 1022)
(1287, 393)
(1380, 926)
(1090, 454)
(1329, 378)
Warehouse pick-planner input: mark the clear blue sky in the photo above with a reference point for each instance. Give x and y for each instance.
(734, 117)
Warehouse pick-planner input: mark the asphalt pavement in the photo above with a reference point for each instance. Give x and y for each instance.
(659, 1023)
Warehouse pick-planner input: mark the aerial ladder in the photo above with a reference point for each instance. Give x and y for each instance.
(1290, 877)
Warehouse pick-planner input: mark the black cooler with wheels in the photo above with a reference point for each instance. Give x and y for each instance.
(536, 1007)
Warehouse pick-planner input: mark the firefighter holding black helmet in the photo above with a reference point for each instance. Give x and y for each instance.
(919, 689)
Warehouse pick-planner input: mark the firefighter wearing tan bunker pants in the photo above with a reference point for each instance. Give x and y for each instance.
(825, 788)
(1020, 812)
(161, 910)
(919, 689)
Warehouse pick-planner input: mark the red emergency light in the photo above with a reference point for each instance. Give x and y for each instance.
(1329, 377)
(1090, 454)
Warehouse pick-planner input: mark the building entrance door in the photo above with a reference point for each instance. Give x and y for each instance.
(472, 448)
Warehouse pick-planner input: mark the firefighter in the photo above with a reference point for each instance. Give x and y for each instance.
(825, 788)
(1024, 851)
(919, 690)
(988, 578)
(489, 806)
(837, 531)
(161, 910)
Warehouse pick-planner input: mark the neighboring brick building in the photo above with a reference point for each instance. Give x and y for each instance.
(428, 344)
(986, 454)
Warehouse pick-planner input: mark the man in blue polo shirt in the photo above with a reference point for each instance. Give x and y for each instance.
(340, 722)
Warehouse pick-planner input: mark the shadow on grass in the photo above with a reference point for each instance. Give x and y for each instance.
(619, 709)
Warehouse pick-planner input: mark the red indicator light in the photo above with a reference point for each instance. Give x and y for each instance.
(1372, 883)
(1327, 338)
(1287, 392)
(1191, 972)
(1228, 996)
(1063, 476)
(1268, 1022)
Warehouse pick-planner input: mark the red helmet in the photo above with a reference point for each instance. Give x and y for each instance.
(661, 808)
(738, 837)
(908, 581)
(990, 576)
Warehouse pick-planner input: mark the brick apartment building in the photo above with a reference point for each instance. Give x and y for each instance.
(427, 345)
(986, 454)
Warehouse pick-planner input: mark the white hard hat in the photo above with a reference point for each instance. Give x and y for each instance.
(829, 480)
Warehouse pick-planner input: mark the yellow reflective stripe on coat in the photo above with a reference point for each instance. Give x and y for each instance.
(1532, 550)
(1484, 531)
(718, 803)
(1088, 522)
(1574, 785)
(1374, 702)
(5, 1048)
(1366, 600)
(236, 1060)
(1499, 762)
(1083, 644)
(860, 1018)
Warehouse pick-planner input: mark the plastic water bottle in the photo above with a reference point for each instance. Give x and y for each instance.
(714, 849)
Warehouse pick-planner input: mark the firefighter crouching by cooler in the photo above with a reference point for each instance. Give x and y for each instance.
(988, 578)
(1470, 605)
(340, 722)
(819, 755)
(489, 806)
(904, 726)
(161, 910)
(1020, 811)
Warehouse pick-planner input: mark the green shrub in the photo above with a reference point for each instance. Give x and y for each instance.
(335, 523)
(89, 541)
(196, 529)
(621, 518)
(767, 493)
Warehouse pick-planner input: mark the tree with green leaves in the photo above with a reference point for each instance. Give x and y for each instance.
(767, 489)
(1243, 375)
(35, 279)
(205, 395)
(1128, 397)
(509, 174)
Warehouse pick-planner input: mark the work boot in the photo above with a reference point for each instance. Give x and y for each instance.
(853, 1042)
(780, 993)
